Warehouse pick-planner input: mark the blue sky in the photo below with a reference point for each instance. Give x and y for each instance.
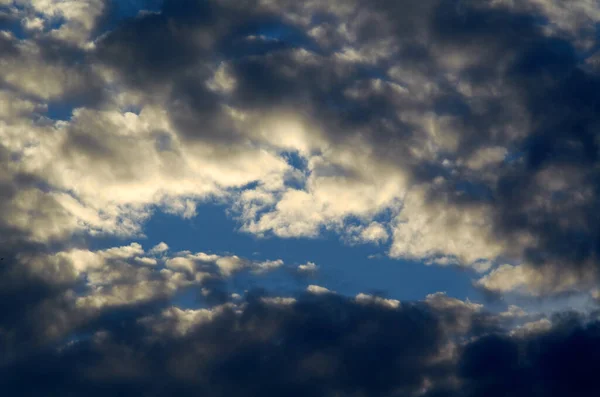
(343, 268)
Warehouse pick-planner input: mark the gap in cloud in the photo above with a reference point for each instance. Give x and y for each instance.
(55, 23)
(60, 110)
(347, 269)
(294, 159)
(14, 26)
(300, 164)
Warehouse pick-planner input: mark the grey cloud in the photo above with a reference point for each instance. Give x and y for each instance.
(320, 344)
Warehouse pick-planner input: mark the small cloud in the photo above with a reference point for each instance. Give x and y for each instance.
(318, 290)
(532, 327)
(266, 266)
(308, 267)
(442, 261)
(366, 299)
(159, 248)
(482, 266)
(374, 233)
(278, 300)
(513, 311)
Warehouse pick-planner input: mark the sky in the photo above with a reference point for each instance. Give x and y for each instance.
(304, 198)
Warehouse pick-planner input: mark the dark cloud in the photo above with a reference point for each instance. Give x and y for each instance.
(318, 346)
(559, 362)
(543, 75)
(323, 345)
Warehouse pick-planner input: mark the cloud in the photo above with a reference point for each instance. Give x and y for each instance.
(308, 267)
(318, 290)
(370, 299)
(159, 248)
(459, 133)
(290, 337)
(318, 345)
(440, 121)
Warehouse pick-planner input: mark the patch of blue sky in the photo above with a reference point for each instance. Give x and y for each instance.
(300, 164)
(60, 110)
(343, 268)
(14, 26)
(295, 160)
(54, 23)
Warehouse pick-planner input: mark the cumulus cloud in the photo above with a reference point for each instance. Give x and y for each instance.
(317, 290)
(370, 299)
(417, 122)
(308, 267)
(159, 248)
(448, 133)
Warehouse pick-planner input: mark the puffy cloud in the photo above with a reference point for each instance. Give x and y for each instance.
(268, 265)
(317, 290)
(437, 122)
(427, 228)
(308, 267)
(536, 281)
(370, 299)
(159, 248)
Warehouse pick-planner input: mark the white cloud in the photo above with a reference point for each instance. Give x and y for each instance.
(181, 264)
(318, 290)
(146, 261)
(532, 327)
(486, 157)
(79, 17)
(178, 322)
(440, 300)
(528, 279)
(370, 299)
(514, 311)
(268, 265)
(375, 232)
(159, 248)
(308, 267)
(44, 79)
(229, 264)
(343, 181)
(427, 228)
